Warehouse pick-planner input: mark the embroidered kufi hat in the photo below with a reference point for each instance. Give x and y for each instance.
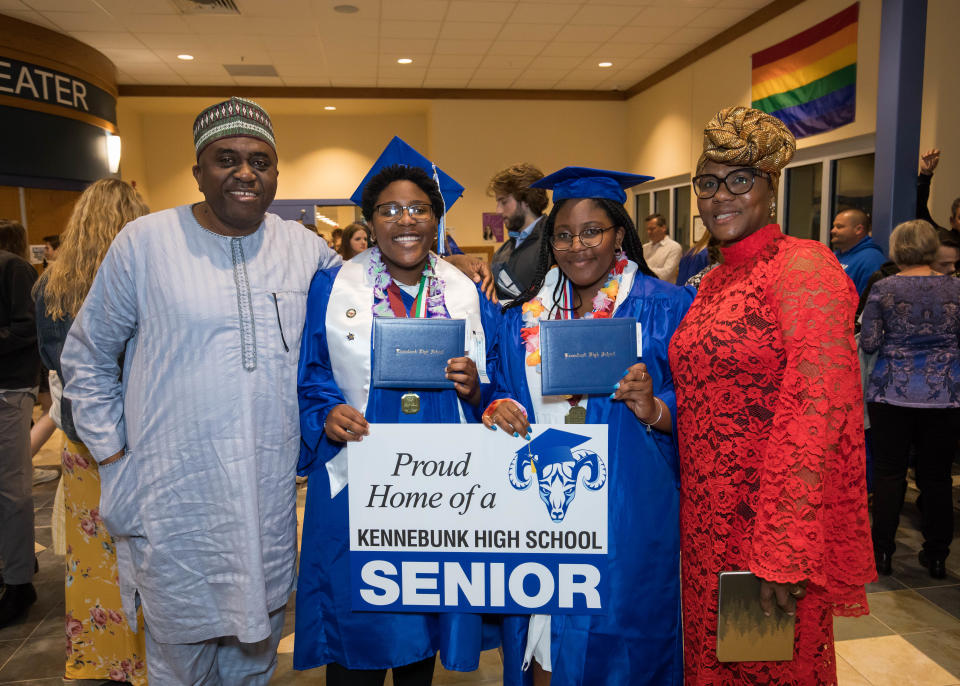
(231, 118)
(745, 137)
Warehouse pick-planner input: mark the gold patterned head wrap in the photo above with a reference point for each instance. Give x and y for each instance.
(744, 137)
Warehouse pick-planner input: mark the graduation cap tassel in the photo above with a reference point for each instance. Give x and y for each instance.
(441, 224)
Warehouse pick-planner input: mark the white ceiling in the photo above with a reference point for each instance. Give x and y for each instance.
(520, 44)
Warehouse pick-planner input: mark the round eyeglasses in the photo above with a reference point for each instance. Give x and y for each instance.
(391, 212)
(590, 237)
(738, 182)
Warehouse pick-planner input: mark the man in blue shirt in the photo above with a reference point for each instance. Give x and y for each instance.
(858, 254)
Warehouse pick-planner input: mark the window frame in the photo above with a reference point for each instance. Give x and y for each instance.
(827, 155)
(650, 189)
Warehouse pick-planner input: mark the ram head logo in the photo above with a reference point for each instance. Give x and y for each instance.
(551, 461)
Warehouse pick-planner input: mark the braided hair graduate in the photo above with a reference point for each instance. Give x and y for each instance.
(591, 266)
(631, 245)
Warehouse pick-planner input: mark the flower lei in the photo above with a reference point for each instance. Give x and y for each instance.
(380, 278)
(534, 310)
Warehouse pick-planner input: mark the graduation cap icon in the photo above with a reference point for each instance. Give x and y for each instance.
(552, 446)
(399, 152)
(549, 459)
(585, 182)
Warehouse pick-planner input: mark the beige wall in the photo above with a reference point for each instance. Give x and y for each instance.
(658, 132)
(473, 140)
(941, 103)
(323, 156)
(319, 157)
(665, 123)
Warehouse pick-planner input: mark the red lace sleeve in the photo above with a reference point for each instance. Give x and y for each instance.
(812, 517)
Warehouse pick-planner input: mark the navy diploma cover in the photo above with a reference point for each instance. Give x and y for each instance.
(586, 355)
(413, 353)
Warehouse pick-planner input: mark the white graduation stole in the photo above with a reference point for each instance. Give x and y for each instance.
(349, 326)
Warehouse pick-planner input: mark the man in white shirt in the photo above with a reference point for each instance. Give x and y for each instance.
(662, 253)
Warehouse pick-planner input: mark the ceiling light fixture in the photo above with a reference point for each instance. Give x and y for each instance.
(346, 9)
(185, 57)
(605, 64)
(329, 108)
(404, 60)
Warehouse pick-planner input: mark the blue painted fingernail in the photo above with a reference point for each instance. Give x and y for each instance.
(493, 427)
(612, 396)
(527, 436)
(616, 385)
(516, 435)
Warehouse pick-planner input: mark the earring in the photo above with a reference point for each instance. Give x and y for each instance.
(773, 208)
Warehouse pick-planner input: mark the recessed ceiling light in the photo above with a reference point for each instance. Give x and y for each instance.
(404, 60)
(329, 107)
(185, 57)
(346, 9)
(605, 64)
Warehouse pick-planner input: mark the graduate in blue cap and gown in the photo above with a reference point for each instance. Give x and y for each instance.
(404, 198)
(591, 266)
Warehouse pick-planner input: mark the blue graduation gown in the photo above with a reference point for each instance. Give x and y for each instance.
(639, 640)
(327, 630)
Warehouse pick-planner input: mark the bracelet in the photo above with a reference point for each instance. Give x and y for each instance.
(659, 416)
(496, 403)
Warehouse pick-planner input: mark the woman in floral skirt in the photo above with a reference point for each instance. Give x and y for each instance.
(99, 641)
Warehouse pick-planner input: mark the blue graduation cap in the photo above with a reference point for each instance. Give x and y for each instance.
(552, 446)
(399, 152)
(584, 182)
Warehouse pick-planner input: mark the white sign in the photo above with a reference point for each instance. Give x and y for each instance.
(456, 517)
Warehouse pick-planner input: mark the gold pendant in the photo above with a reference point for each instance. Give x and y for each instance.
(409, 403)
(576, 415)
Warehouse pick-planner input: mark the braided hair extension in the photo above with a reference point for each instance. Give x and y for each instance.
(618, 217)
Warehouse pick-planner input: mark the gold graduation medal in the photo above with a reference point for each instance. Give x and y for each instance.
(576, 415)
(409, 403)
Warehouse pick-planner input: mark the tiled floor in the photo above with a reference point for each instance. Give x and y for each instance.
(912, 635)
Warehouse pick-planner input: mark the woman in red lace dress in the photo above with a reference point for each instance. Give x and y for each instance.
(770, 417)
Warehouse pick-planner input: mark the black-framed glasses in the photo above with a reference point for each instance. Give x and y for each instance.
(738, 182)
(589, 237)
(391, 211)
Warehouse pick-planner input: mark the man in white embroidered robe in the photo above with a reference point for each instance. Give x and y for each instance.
(198, 443)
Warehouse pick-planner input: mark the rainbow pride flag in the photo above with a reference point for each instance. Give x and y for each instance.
(809, 81)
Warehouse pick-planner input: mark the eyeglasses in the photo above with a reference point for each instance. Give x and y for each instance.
(590, 237)
(738, 182)
(391, 212)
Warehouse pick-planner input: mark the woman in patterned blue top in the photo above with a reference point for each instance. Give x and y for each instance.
(913, 396)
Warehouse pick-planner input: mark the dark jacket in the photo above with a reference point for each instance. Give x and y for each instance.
(520, 264)
(19, 361)
(51, 334)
